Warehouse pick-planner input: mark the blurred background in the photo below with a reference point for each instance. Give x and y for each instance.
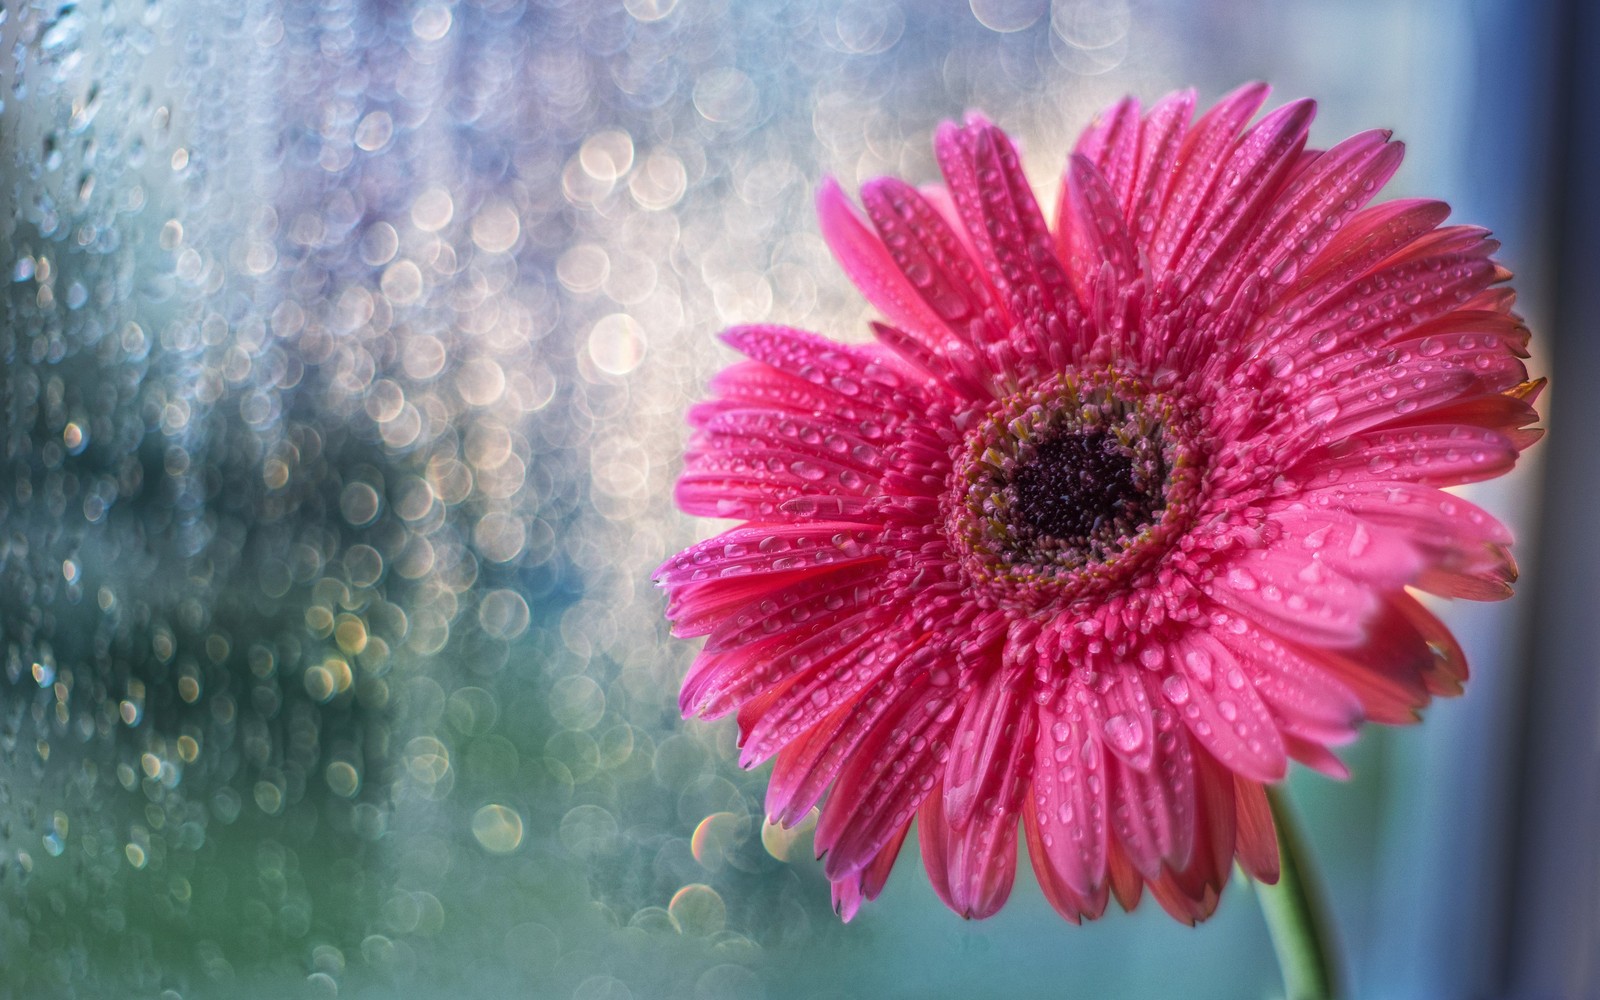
(346, 348)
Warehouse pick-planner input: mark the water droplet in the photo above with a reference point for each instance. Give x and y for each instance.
(1124, 732)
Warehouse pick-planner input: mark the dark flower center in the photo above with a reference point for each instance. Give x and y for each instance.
(1081, 486)
(1069, 488)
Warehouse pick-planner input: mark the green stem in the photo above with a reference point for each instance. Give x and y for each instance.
(1296, 915)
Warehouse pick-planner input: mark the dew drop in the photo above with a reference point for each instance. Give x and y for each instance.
(1124, 732)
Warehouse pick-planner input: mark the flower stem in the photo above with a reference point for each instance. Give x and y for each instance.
(1296, 916)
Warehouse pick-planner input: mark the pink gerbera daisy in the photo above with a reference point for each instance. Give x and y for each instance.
(1117, 517)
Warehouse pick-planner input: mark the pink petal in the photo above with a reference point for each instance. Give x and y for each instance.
(803, 769)
(991, 745)
(1316, 756)
(1200, 159)
(768, 549)
(1161, 137)
(1208, 688)
(1294, 595)
(1446, 672)
(1069, 799)
(971, 868)
(1091, 231)
(1120, 703)
(1437, 455)
(1003, 218)
(934, 261)
(1153, 814)
(887, 778)
(872, 268)
(848, 371)
(1371, 236)
(1307, 700)
(1349, 546)
(1063, 898)
(820, 674)
(1502, 412)
(696, 607)
(1465, 547)
(757, 385)
(810, 664)
(822, 439)
(1308, 217)
(1111, 143)
(1191, 894)
(957, 365)
(1257, 834)
(818, 598)
(852, 890)
(1408, 657)
(1127, 885)
(1252, 174)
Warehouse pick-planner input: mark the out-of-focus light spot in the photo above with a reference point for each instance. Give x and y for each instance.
(865, 27)
(498, 537)
(427, 763)
(583, 268)
(606, 156)
(1090, 36)
(632, 278)
(577, 703)
(350, 632)
(617, 344)
(589, 830)
(650, 10)
(374, 131)
(431, 22)
(364, 564)
(495, 228)
(715, 836)
(319, 621)
(1008, 15)
(480, 382)
(432, 210)
(319, 683)
(269, 798)
(359, 504)
(785, 843)
(503, 614)
(379, 244)
(725, 95)
(698, 910)
(342, 778)
(498, 828)
(402, 283)
(472, 710)
(423, 357)
(659, 182)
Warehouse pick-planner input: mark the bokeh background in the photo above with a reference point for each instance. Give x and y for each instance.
(346, 347)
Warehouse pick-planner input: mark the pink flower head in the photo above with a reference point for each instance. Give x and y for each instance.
(1118, 515)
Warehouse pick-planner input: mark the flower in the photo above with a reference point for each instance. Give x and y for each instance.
(1117, 516)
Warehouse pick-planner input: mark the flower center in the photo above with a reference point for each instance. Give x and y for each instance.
(1083, 486)
(1068, 488)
